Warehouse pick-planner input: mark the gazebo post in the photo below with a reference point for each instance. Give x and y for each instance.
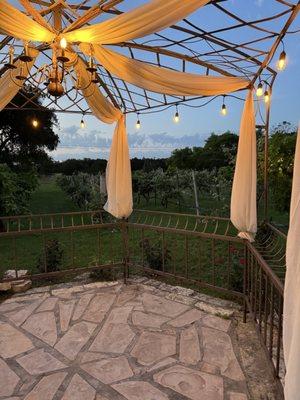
(266, 164)
(266, 153)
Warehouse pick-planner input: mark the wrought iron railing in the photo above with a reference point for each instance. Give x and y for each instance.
(198, 251)
(263, 296)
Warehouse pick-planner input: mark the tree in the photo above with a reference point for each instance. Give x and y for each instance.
(282, 145)
(218, 151)
(20, 142)
(15, 191)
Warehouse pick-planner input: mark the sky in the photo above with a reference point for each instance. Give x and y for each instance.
(159, 135)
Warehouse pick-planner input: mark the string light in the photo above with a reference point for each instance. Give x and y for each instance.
(224, 108)
(281, 63)
(266, 97)
(35, 123)
(259, 90)
(176, 118)
(138, 122)
(82, 123)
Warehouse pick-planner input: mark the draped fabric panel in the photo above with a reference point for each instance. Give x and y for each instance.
(8, 87)
(162, 80)
(291, 308)
(141, 21)
(15, 23)
(118, 174)
(243, 196)
(118, 171)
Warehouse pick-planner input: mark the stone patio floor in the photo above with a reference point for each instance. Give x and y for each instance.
(106, 341)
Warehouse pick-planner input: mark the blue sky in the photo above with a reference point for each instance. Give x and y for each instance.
(159, 135)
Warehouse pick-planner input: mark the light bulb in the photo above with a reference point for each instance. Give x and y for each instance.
(281, 63)
(224, 109)
(63, 43)
(266, 97)
(82, 124)
(259, 90)
(138, 124)
(176, 117)
(35, 123)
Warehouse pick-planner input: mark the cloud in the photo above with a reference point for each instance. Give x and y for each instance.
(80, 143)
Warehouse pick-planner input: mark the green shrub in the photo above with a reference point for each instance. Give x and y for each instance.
(155, 255)
(52, 256)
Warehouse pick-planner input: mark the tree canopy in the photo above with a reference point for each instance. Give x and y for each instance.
(218, 151)
(21, 142)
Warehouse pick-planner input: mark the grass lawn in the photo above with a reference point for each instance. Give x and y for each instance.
(49, 198)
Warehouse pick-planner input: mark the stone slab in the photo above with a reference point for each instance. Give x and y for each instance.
(215, 322)
(187, 318)
(109, 370)
(82, 305)
(43, 326)
(46, 387)
(79, 389)
(153, 347)
(98, 307)
(76, 337)
(113, 338)
(48, 304)
(12, 341)
(148, 320)
(137, 390)
(40, 362)
(20, 316)
(218, 351)
(191, 383)
(159, 305)
(9, 379)
(65, 313)
(189, 350)
(21, 286)
(12, 273)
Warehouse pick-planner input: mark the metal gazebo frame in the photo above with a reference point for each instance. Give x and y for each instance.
(184, 47)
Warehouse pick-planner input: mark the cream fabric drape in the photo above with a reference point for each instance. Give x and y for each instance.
(118, 171)
(291, 309)
(243, 196)
(8, 88)
(162, 80)
(15, 23)
(141, 21)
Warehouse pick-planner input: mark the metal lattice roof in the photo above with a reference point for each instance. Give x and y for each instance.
(215, 40)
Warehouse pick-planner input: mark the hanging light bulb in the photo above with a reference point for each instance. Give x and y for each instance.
(281, 63)
(176, 118)
(266, 97)
(35, 123)
(224, 109)
(82, 123)
(138, 122)
(259, 90)
(63, 43)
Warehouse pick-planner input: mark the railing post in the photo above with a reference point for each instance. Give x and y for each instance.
(245, 282)
(124, 230)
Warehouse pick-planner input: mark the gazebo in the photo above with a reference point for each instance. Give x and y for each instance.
(109, 59)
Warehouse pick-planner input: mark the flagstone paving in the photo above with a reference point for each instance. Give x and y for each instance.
(106, 341)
